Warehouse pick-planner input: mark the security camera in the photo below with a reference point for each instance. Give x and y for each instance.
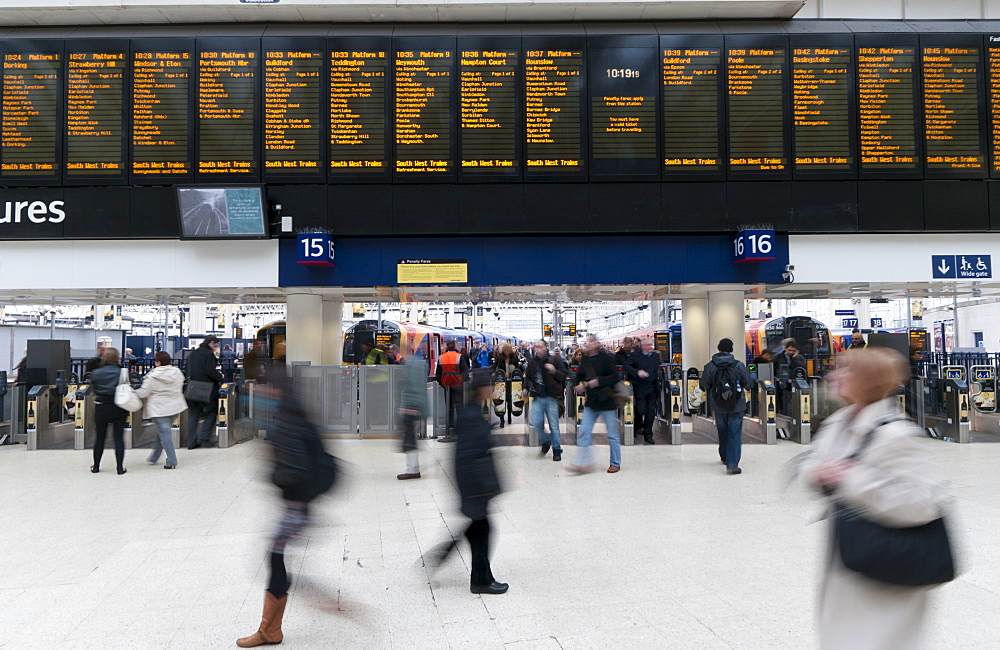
(789, 267)
(788, 277)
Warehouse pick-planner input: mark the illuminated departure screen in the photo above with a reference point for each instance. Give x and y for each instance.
(553, 122)
(226, 101)
(29, 133)
(756, 109)
(821, 120)
(292, 129)
(94, 113)
(161, 124)
(887, 111)
(623, 84)
(951, 109)
(488, 96)
(357, 111)
(423, 112)
(691, 111)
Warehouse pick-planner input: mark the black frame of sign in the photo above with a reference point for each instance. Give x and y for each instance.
(957, 40)
(165, 45)
(746, 42)
(41, 46)
(235, 43)
(100, 46)
(446, 42)
(819, 41)
(300, 43)
(650, 73)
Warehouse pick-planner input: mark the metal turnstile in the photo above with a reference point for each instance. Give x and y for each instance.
(626, 420)
(42, 431)
(675, 399)
(955, 426)
(234, 424)
(797, 424)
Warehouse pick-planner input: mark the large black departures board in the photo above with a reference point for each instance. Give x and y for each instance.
(31, 118)
(227, 99)
(95, 111)
(162, 140)
(756, 79)
(294, 81)
(359, 108)
(823, 124)
(489, 101)
(555, 108)
(693, 106)
(423, 119)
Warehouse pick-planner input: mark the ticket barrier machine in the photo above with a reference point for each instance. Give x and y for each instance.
(956, 425)
(46, 427)
(626, 413)
(799, 404)
(983, 392)
(767, 408)
(675, 399)
(234, 424)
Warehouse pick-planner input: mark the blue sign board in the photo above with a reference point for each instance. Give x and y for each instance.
(843, 312)
(314, 249)
(954, 373)
(753, 246)
(984, 374)
(876, 322)
(961, 267)
(849, 323)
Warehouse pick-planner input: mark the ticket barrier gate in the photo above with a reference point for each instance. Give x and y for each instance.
(44, 431)
(233, 423)
(671, 420)
(796, 425)
(982, 394)
(956, 425)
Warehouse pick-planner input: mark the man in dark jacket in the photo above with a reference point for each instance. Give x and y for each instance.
(643, 369)
(728, 419)
(599, 374)
(786, 365)
(544, 381)
(202, 365)
(621, 354)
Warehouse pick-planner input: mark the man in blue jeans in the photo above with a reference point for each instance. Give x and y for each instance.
(597, 377)
(724, 380)
(544, 381)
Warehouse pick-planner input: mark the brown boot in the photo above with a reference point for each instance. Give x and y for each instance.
(270, 623)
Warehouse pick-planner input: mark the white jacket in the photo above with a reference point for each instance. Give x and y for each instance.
(163, 392)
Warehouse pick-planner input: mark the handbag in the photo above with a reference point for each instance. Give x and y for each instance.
(125, 396)
(622, 394)
(917, 556)
(199, 391)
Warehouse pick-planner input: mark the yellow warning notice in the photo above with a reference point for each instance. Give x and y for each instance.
(432, 271)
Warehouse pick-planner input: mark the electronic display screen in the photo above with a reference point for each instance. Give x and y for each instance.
(755, 90)
(887, 109)
(358, 109)
(422, 115)
(293, 138)
(29, 121)
(692, 107)
(161, 113)
(822, 132)
(993, 66)
(623, 85)
(488, 96)
(95, 84)
(227, 101)
(222, 212)
(554, 124)
(952, 82)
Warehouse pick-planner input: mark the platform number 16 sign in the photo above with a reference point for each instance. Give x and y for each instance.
(315, 249)
(753, 246)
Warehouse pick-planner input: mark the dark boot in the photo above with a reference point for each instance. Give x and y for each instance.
(269, 631)
(649, 439)
(557, 455)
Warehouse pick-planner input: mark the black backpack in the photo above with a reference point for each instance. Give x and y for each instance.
(726, 390)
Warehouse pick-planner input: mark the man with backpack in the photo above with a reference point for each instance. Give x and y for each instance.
(724, 380)
(452, 371)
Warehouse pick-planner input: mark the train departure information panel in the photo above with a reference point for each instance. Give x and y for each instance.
(488, 98)
(553, 88)
(691, 110)
(292, 129)
(623, 85)
(29, 130)
(993, 65)
(821, 111)
(755, 82)
(887, 110)
(951, 90)
(94, 114)
(161, 109)
(423, 112)
(227, 84)
(358, 112)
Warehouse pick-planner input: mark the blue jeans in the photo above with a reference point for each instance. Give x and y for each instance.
(586, 436)
(163, 441)
(543, 408)
(730, 427)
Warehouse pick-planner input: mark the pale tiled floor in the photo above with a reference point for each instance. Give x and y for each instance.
(669, 553)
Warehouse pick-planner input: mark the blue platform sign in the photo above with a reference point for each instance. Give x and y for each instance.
(753, 246)
(843, 312)
(876, 322)
(314, 249)
(849, 323)
(961, 267)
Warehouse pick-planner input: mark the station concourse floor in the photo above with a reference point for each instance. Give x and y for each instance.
(669, 553)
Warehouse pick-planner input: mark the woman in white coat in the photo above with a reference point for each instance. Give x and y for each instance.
(892, 481)
(163, 391)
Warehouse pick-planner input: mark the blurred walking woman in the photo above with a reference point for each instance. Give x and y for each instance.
(163, 392)
(105, 378)
(869, 459)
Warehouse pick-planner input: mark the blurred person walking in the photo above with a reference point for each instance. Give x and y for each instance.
(105, 380)
(252, 360)
(452, 371)
(599, 375)
(163, 392)
(868, 458)
(202, 392)
(413, 408)
(544, 380)
(723, 380)
(643, 368)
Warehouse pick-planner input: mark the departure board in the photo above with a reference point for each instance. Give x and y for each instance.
(293, 81)
(623, 85)
(29, 130)
(161, 113)
(358, 111)
(554, 128)
(95, 113)
(887, 108)
(227, 125)
(422, 115)
(952, 78)
(755, 90)
(822, 132)
(993, 67)
(692, 143)
(488, 94)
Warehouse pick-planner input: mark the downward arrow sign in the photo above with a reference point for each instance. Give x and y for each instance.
(943, 268)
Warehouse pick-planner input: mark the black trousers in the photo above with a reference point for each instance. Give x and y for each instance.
(205, 414)
(645, 410)
(455, 398)
(478, 534)
(106, 413)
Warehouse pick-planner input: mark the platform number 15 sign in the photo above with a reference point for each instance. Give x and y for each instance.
(315, 249)
(753, 246)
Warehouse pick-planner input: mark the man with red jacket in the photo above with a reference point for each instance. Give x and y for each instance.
(452, 371)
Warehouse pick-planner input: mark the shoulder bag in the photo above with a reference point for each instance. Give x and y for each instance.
(125, 396)
(917, 556)
(199, 391)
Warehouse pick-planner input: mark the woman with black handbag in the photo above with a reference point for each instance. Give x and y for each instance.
(888, 544)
